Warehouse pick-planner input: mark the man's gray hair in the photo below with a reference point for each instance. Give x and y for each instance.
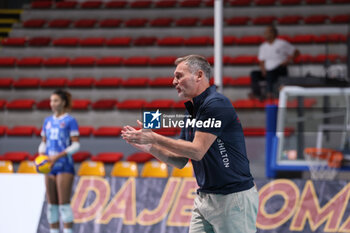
(196, 63)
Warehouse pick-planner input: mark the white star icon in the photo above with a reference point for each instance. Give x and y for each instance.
(156, 115)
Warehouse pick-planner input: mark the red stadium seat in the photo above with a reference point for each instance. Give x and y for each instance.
(171, 41)
(165, 3)
(91, 4)
(238, 20)
(60, 23)
(85, 23)
(18, 41)
(190, 3)
(30, 61)
(81, 156)
(83, 61)
(290, 2)
(322, 58)
(39, 41)
(54, 83)
(199, 41)
(43, 104)
(290, 19)
(85, 131)
(110, 23)
(34, 23)
(244, 60)
(241, 81)
(107, 131)
(7, 61)
(315, 2)
(41, 4)
(254, 132)
(137, 61)
(264, 20)
(249, 40)
(308, 103)
(244, 103)
(163, 61)
(230, 40)
(21, 131)
(109, 61)
(285, 37)
(26, 83)
(108, 157)
(140, 157)
(145, 41)
(207, 22)
(116, 4)
(160, 104)
(264, 2)
(57, 61)
(303, 39)
(20, 104)
(2, 106)
(92, 41)
(240, 2)
(81, 104)
(141, 4)
(81, 82)
(66, 41)
(131, 104)
(161, 22)
(225, 60)
(3, 130)
(6, 82)
(136, 82)
(138, 22)
(111, 82)
(66, 4)
(169, 132)
(119, 41)
(303, 59)
(315, 19)
(16, 156)
(337, 19)
(187, 22)
(104, 104)
(332, 38)
(180, 104)
(162, 82)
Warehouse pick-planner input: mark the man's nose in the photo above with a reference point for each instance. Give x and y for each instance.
(175, 81)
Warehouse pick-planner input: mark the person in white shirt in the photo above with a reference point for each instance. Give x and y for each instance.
(274, 56)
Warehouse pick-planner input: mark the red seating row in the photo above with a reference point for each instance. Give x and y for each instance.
(184, 22)
(95, 4)
(167, 41)
(106, 82)
(137, 104)
(105, 157)
(105, 131)
(102, 104)
(144, 61)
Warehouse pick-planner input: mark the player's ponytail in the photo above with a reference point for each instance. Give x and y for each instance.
(66, 96)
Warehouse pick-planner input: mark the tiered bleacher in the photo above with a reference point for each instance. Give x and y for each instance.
(116, 58)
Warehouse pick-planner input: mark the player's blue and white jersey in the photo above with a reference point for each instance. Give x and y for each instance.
(58, 131)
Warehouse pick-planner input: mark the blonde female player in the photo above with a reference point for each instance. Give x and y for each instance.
(60, 139)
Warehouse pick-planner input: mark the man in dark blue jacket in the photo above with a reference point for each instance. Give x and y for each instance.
(212, 137)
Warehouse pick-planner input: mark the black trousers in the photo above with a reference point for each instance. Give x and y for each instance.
(271, 79)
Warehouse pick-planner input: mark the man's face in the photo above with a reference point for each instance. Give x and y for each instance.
(268, 34)
(184, 81)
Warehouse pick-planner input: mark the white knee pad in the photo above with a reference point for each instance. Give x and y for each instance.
(52, 213)
(66, 213)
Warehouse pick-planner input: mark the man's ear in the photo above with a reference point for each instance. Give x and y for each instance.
(200, 75)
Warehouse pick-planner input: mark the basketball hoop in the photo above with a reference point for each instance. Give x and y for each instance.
(323, 163)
